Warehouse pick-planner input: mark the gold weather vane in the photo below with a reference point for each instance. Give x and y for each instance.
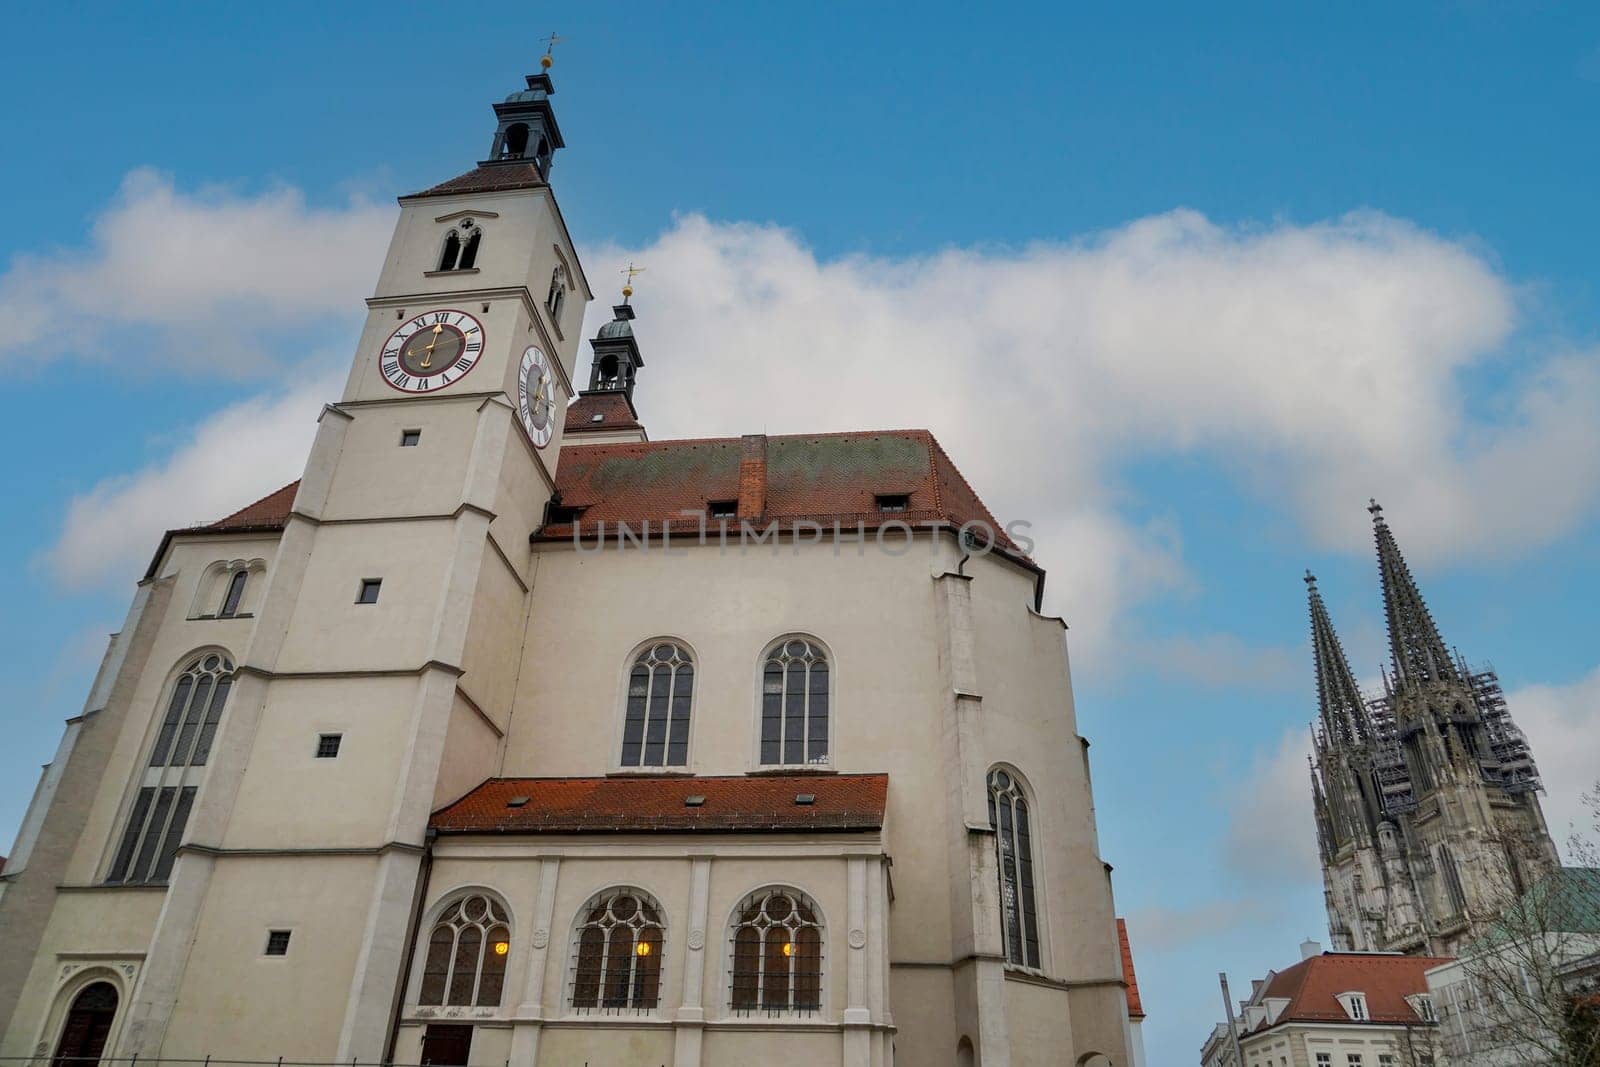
(627, 287)
(546, 60)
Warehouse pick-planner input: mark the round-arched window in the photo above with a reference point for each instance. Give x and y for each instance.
(467, 949)
(777, 953)
(617, 956)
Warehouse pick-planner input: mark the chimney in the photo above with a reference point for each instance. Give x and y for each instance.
(753, 476)
(1309, 948)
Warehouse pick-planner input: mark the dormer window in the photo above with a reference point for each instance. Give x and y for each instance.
(723, 509)
(1422, 1004)
(561, 514)
(892, 503)
(1354, 1005)
(460, 251)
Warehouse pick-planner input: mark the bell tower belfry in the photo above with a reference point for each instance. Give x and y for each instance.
(391, 617)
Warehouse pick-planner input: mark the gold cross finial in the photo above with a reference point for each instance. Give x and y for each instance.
(545, 60)
(627, 287)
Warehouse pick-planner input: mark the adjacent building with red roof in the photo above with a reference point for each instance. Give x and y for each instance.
(1334, 1009)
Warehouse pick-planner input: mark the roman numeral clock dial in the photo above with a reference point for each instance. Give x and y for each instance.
(536, 397)
(431, 350)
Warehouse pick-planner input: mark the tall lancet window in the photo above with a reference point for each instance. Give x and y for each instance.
(655, 727)
(467, 949)
(794, 704)
(1019, 915)
(149, 844)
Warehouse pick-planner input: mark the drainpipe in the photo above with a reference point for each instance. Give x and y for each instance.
(417, 902)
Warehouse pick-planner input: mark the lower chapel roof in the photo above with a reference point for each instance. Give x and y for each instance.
(820, 478)
(785, 802)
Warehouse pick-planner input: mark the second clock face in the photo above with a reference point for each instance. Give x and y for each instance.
(536, 401)
(430, 351)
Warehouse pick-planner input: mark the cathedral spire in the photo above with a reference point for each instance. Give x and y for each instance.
(1417, 650)
(1343, 711)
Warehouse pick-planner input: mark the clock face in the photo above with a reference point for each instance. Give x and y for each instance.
(536, 401)
(430, 351)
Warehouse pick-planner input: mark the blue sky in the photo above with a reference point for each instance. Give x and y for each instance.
(1188, 289)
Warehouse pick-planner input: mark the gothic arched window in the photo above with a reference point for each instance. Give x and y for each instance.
(1019, 916)
(451, 251)
(460, 249)
(655, 727)
(149, 845)
(776, 953)
(794, 703)
(616, 961)
(467, 949)
(558, 292)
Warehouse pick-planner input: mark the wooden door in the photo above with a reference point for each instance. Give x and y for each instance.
(83, 1035)
(445, 1045)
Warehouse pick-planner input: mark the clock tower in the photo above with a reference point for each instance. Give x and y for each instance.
(392, 617)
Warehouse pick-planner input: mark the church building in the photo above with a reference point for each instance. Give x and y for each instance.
(1426, 798)
(509, 735)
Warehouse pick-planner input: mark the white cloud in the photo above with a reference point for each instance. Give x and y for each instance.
(237, 455)
(203, 281)
(1271, 829)
(1322, 363)
(1563, 727)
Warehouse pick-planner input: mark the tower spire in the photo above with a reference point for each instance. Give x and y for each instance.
(1417, 650)
(1343, 711)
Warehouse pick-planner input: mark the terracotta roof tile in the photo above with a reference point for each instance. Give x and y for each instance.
(1312, 986)
(628, 804)
(810, 477)
(270, 511)
(1129, 979)
(613, 408)
(487, 178)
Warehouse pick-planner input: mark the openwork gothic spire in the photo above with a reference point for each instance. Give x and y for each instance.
(1344, 713)
(1417, 650)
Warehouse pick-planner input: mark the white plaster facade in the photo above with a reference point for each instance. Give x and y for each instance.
(487, 655)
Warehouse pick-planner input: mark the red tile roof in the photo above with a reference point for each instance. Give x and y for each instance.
(270, 512)
(487, 178)
(265, 515)
(626, 804)
(1129, 979)
(809, 477)
(613, 408)
(1312, 986)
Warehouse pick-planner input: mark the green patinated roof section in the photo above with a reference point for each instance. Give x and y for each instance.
(1567, 901)
(711, 463)
(896, 461)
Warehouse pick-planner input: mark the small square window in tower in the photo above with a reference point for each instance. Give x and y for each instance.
(277, 943)
(368, 593)
(410, 438)
(328, 745)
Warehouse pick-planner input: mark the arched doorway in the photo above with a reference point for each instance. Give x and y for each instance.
(83, 1035)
